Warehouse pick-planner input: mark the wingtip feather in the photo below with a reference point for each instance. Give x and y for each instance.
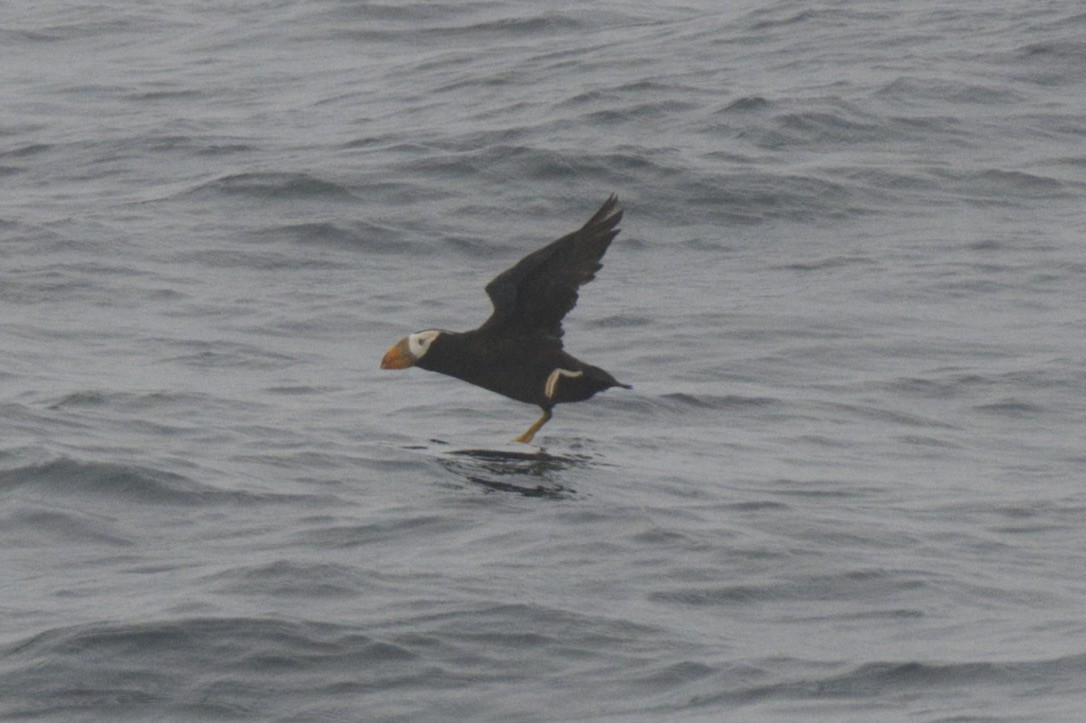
(609, 212)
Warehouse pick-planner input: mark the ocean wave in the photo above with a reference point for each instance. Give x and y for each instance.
(35, 525)
(111, 484)
(892, 682)
(273, 186)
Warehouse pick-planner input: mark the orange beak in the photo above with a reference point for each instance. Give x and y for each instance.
(398, 357)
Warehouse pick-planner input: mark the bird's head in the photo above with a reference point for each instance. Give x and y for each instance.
(410, 349)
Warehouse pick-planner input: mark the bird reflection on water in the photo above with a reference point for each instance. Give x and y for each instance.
(532, 474)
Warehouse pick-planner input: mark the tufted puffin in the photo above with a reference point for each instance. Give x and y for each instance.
(518, 350)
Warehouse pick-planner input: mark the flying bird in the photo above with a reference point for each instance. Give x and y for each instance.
(518, 350)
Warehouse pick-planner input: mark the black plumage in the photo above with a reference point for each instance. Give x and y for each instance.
(518, 351)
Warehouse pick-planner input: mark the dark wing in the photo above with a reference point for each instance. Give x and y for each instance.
(534, 295)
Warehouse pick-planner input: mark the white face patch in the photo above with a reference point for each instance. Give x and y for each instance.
(419, 342)
(552, 381)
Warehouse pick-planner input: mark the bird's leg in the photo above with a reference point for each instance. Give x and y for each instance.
(536, 425)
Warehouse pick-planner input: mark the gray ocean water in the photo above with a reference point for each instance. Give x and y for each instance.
(850, 293)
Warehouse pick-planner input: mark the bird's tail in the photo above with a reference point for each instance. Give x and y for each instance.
(604, 378)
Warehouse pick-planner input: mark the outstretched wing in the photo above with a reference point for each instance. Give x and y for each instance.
(534, 295)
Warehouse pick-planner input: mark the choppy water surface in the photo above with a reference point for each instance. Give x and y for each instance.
(848, 483)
